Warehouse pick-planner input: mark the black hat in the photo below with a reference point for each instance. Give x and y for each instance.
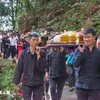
(35, 34)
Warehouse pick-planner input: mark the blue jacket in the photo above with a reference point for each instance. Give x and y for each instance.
(25, 45)
(88, 68)
(70, 58)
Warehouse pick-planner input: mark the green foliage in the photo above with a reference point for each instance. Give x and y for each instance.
(78, 4)
(3, 97)
(70, 14)
(16, 97)
(4, 11)
(6, 75)
(65, 14)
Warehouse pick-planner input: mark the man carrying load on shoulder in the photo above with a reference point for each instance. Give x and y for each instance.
(31, 64)
(87, 61)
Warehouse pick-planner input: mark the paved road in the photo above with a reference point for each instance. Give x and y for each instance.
(68, 95)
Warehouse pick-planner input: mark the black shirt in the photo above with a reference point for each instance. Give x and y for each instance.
(31, 68)
(6, 43)
(88, 65)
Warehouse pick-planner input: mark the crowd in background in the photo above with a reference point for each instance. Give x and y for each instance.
(13, 43)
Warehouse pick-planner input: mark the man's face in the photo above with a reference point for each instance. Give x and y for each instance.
(89, 39)
(12, 36)
(27, 40)
(34, 41)
(98, 43)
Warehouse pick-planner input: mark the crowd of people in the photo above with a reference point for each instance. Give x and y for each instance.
(41, 69)
(11, 44)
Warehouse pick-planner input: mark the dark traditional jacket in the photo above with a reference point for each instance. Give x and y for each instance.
(31, 68)
(56, 64)
(88, 68)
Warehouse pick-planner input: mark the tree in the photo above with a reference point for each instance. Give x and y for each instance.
(3, 13)
(9, 12)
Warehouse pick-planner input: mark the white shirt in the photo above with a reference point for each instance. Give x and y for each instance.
(13, 41)
(0, 38)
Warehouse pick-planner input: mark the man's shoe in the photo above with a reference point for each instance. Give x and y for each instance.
(72, 89)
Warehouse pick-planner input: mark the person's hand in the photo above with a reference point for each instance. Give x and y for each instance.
(61, 49)
(51, 49)
(66, 62)
(15, 88)
(37, 49)
(16, 47)
(81, 48)
(47, 76)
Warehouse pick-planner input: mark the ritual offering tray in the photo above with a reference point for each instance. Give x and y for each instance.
(68, 39)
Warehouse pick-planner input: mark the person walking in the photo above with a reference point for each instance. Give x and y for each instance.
(13, 46)
(6, 45)
(87, 62)
(56, 71)
(31, 63)
(0, 41)
(46, 82)
(71, 70)
(19, 47)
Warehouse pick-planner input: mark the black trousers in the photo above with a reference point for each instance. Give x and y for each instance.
(32, 92)
(12, 51)
(56, 87)
(46, 85)
(88, 94)
(71, 75)
(5, 53)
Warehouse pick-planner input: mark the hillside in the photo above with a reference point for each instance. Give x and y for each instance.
(62, 14)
